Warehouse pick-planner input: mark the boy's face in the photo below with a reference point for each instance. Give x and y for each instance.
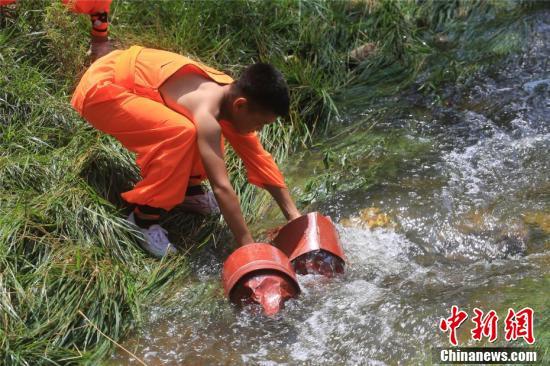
(246, 118)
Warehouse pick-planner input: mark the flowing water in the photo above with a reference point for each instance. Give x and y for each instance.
(470, 222)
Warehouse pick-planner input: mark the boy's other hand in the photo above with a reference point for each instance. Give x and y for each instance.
(285, 202)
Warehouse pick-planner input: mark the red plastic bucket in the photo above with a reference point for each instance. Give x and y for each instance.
(309, 233)
(261, 259)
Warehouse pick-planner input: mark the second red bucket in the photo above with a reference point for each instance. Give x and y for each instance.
(311, 243)
(260, 273)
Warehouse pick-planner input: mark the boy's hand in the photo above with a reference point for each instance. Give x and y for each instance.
(208, 139)
(285, 202)
(272, 233)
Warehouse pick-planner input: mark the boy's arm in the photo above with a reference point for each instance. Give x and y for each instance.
(208, 138)
(261, 168)
(285, 202)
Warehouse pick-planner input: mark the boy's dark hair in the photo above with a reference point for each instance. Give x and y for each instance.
(265, 87)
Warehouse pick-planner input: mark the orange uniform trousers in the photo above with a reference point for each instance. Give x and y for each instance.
(79, 6)
(95, 8)
(88, 6)
(119, 95)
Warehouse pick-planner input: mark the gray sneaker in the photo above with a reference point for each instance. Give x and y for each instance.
(156, 242)
(204, 204)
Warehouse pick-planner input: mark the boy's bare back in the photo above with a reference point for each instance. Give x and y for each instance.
(191, 92)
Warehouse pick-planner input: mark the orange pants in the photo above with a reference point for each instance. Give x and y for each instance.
(88, 6)
(79, 6)
(97, 9)
(119, 95)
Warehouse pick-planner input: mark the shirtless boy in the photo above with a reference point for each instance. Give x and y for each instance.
(173, 113)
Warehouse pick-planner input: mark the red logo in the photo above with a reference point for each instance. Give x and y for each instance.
(486, 326)
(519, 324)
(452, 323)
(516, 325)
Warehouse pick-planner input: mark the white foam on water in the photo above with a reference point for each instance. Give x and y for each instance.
(338, 327)
(497, 165)
(378, 253)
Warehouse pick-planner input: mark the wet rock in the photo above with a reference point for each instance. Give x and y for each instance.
(474, 222)
(538, 219)
(539, 231)
(509, 237)
(370, 217)
(511, 244)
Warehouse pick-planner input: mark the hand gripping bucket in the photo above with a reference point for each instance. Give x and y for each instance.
(311, 243)
(259, 273)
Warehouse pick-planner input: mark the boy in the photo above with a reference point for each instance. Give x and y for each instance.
(172, 112)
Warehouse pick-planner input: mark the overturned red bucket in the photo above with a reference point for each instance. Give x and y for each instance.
(311, 243)
(259, 273)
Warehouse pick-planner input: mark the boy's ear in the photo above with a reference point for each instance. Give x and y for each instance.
(240, 102)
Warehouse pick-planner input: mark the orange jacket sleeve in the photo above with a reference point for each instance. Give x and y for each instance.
(261, 169)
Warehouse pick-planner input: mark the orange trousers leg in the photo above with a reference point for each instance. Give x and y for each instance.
(97, 9)
(164, 141)
(88, 6)
(79, 6)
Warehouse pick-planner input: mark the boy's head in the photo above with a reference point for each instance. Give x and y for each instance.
(257, 98)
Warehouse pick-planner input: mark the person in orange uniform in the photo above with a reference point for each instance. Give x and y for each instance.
(174, 113)
(98, 11)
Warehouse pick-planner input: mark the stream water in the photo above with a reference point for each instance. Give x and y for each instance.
(471, 222)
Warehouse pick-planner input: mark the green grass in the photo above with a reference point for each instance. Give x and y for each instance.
(65, 248)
